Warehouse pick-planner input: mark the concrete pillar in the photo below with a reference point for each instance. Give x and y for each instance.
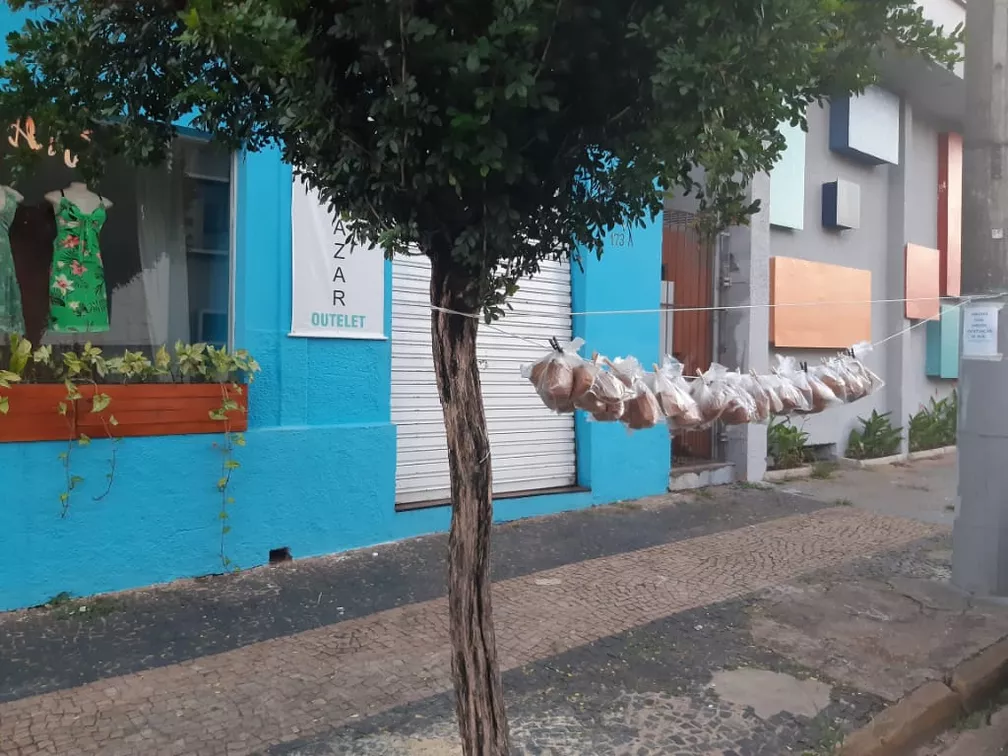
(744, 334)
(980, 536)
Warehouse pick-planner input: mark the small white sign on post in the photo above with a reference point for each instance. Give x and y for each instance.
(980, 332)
(338, 288)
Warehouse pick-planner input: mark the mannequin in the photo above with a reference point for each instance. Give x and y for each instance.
(11, 311)
(79, 194)
(77, 292)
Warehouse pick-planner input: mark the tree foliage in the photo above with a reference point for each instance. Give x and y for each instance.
(496, 133)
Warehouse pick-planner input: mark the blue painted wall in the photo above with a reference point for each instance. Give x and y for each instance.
(318, 470)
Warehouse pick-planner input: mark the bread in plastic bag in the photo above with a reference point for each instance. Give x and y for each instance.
(822, 396)
(857, 385)
(604, 399)
(673, 394)
(640, 408)
(712, 393)
(773, 386)
(793, 390)
(553, 376)
(750, 383)
(857, 364)
(832, 377)
(741, 407)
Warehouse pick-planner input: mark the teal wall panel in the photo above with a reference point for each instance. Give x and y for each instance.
(942, 359)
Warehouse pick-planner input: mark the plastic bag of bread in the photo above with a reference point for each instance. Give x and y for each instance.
(773, 386)
(857, 385)
(830, 375)
(857, 364)
(750, 383)
(795, 391)
(640, 408)
(822, 396)
(605, 398)
(674, 398)
(741, 407)
(712, 393)
(553, 376)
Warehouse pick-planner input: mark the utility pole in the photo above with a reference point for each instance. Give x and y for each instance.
(980, 537)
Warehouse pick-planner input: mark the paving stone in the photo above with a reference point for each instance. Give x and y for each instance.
(535, 617)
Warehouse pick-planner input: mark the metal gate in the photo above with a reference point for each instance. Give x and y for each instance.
(688, 264)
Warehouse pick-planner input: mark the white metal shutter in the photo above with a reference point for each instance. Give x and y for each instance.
(531, 448)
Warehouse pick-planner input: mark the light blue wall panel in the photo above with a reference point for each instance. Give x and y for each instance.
(787, 181)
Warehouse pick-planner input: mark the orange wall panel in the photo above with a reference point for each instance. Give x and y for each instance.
(805, 313)
(950, 163)
(922, 282)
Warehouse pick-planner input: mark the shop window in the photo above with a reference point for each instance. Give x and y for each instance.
(164, 270)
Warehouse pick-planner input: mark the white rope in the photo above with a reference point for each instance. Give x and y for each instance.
(538, 342)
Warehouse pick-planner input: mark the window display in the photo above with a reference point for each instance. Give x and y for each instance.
(154, 270)
(77, 298)
(11, 311)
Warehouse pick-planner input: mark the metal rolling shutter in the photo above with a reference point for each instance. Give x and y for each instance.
(532, 448)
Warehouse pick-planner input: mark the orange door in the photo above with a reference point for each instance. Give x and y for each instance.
(689, 264)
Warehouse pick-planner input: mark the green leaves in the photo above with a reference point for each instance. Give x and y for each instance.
(489, 136)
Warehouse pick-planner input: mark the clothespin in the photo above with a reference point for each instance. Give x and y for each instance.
(555, 344)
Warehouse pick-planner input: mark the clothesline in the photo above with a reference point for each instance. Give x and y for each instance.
(539, 342)
(757, 305)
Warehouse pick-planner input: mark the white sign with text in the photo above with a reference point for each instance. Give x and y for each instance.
(980, 332)
(338, 288)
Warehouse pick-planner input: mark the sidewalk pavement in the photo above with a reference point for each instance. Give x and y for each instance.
(737, 621)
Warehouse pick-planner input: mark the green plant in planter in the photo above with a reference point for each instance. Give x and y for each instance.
(787, 444)
(934, 425)
(876, 438)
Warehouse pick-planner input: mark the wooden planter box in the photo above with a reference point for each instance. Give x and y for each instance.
(156, 409)
(34, 415)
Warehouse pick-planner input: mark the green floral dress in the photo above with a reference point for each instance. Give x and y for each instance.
(11, 312)
(77, 298)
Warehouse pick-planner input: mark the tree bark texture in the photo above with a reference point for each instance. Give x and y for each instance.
(479, 699)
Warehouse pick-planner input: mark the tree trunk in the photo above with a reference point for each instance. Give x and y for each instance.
(479, 699)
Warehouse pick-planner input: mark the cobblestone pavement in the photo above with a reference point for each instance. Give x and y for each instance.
(288, 688)
(44, 650)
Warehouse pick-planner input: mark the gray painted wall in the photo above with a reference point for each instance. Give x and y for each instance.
(869, 247)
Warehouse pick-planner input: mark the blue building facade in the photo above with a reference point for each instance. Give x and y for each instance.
(318, 471)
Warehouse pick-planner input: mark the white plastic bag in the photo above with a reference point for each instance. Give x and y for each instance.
(793, 390)
(741, 407)
(605, 398)
(773, 386)
(750, 383)
(713, 393)
(553, 376)
(674, 398)
(640, 408)
(832, 377)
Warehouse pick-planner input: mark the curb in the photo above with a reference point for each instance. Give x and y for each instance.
(896, 458)
(933, 707)
(791, 473)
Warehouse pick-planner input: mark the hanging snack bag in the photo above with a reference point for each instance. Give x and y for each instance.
(822, 396)
(773, 386)
(712, 393)
(604, 400)
(859, 351)
(673, 393)
(553, 376)
(741, 407)
(641, 408)
(832, 377)
(794, 390)
(751, 384)
(858, 385)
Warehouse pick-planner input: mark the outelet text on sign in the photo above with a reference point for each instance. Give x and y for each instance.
(338, 287)
(26, 130)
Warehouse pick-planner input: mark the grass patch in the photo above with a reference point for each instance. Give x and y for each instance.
(843, 503)
(747, 485)
(827, 737)
(64, 606)
(703, 493)
(823, 470)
